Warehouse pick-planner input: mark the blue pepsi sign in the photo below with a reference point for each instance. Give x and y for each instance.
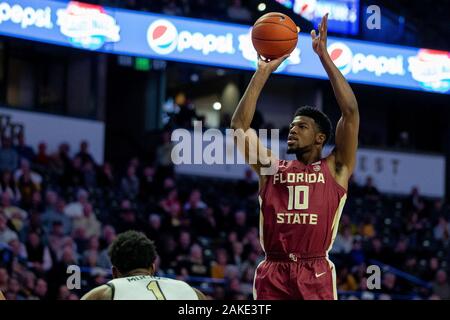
(97, 28)
(343, 14)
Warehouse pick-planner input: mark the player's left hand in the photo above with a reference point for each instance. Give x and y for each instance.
(319, 42)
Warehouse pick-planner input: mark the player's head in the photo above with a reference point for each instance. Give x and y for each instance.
(310, 128)
(132, 251)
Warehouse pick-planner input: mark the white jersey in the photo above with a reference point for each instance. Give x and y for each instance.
(147, 287)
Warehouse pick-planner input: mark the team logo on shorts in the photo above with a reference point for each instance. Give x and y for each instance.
(342, 57)
(162, 36)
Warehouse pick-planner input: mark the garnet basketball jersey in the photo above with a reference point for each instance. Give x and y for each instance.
(147, 287)
(300, 209)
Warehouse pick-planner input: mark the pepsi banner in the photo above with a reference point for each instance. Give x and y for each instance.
(93, 27)
(343, 14)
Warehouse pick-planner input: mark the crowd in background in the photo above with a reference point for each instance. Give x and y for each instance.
(63, 208)
(228, 10)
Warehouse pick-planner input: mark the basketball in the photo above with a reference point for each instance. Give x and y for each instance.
(274, 35)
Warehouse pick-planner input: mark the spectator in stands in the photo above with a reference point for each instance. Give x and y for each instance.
(106, 179)
(369, 190)
(343, 242)
(205, 223)
(389, 283)
(23, 150)
(108, 236)
(90, 255)
(442, 230)
(15, 214)
(28, 283)
(128, 219)
(84, 153)
(54, 211)
(88, 222)
(441, 287)
(38, 254)
(14, 290)
(75, 209)
(195, 201)
(42, 158)
(171, 203)
(154, 229)
(8, 185)
(147, 185)
(184, 245)
(346, 281)
(130, 183)
(60, 162)
(238, 13)
(4, 278)
(73, 176)
(246, 288)
(27, 188)
(36, 205)
(219, 265)
(240, 223)
(40, 289)
(368, 227)
(195, 265)
(25, 168)
(431, 269)
(8, 156)
(6, 234)
(376, 250)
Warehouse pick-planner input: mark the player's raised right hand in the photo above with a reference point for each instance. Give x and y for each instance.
(268, 65)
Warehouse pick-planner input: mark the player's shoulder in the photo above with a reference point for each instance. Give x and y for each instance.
(103, 292)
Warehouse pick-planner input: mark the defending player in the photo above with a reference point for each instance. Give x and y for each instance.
(132, 256)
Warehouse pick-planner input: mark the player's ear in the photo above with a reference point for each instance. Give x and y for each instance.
(153, 268)
(320, 138)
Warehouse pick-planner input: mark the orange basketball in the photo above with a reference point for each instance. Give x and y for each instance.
(274, 35)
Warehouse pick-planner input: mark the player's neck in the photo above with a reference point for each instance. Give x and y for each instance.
(309, 157)
(139, 272)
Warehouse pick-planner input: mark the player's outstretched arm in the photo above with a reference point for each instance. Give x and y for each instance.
(243, 115)
(348, 125)
(103, 292)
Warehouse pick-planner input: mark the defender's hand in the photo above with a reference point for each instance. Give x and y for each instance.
(319, 42)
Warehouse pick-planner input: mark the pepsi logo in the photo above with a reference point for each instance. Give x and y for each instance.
(342, 57)
(162, 36)
(306, 8)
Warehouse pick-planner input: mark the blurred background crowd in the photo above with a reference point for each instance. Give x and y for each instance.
(64, 209)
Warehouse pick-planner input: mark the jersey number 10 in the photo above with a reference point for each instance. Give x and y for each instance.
(298, 197)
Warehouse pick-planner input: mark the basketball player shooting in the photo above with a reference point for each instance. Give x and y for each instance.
(132, 256)
(302, 201)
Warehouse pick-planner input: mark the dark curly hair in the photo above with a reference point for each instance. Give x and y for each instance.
(132, 250)
(321, 119)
